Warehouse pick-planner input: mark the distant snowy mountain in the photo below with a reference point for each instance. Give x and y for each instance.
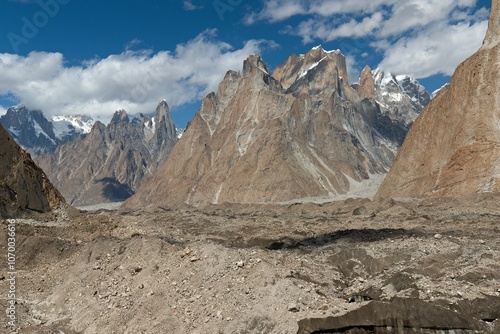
(37, 135)
(67, 123)
(118, 157)
(179, 132)
(401, 97)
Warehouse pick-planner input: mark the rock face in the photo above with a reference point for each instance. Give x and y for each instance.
(37, 135)
(23, 185)
(302, 132)
(111, 162)
(399, 316)
(453, 149)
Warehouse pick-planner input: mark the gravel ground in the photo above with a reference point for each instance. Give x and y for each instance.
(252, 268)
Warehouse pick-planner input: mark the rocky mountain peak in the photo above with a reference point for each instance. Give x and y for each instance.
(401, 97)
(305, 132)
(98, 129)
(36, 134)
(98, 126)
(120, 116)
(366, 86)
(165, 130)
(298, 67)
(162, 112)
(254, 62)
(493, 35)
(257, 75)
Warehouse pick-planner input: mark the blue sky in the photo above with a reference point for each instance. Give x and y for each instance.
(95, 57)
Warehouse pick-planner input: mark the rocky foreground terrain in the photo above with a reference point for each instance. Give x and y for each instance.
(430, 266)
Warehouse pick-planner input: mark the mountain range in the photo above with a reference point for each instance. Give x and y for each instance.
(302, 132)
(38, 135)
(324, 135)
(110, 162)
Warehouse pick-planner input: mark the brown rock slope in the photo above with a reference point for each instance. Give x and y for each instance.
(110, 163)
(453, 149)
(304, 132)
(419, 267)
(23, 185)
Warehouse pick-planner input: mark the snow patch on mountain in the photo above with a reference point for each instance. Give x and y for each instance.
(303, 73)
(401, 97)
(64, 125)
(436, 92)
(14, 131)
(179, 132)
(40, 132)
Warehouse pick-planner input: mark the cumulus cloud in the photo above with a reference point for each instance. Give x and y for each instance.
(3, 111)
(352, 68)
(277, 10)
(406, 15)
(436, 50)
(280, 10)
(423, 37)
(311, 30)
(134, 80)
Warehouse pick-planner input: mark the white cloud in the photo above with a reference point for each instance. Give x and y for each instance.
(422, 37)
(277, 10)
(134, 80)
(280, 10)
(409, 14)
(379, 18)
(3, 111)
(327, 31)
(439, 49)
(189, 5)
(352, 68)
(131, 44)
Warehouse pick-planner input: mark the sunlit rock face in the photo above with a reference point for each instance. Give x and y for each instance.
(453, 149)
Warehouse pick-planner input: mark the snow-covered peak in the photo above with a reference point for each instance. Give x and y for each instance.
(81, 123)
(406, 83)
(39, 135)
(320, 47)
(322, 50)
(404, 77)
(383, 78)
(396, 92)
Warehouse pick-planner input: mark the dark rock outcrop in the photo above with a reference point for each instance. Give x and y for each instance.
(23, 185)
(398, 316)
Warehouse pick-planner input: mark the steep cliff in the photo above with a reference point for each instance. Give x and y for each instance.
(453, 149)
(23, 185)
